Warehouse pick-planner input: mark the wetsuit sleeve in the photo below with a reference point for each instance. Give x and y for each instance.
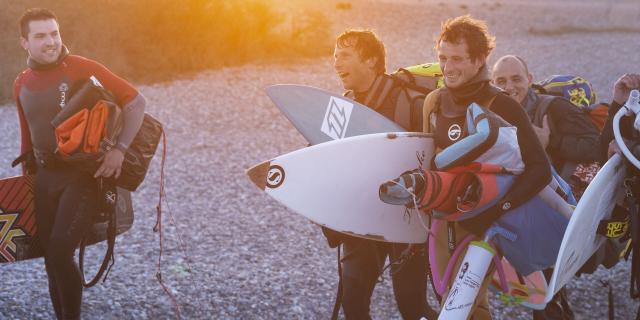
(133, 117)
(132, 102)
(123, 91)
(574, 136)
(537, 169)
(25, 134)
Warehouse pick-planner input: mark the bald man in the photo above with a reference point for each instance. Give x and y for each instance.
(566, 133)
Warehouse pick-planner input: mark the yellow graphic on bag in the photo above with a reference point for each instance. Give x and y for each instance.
(617, 228)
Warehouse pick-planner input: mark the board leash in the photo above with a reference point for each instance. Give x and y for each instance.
(158, 228)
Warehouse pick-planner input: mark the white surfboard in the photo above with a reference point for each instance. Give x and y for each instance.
(580, 240)
(335, 184)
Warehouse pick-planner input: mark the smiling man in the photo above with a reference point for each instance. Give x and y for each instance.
(566, 133)
(463, 46)
(360, 64)
(65, 197)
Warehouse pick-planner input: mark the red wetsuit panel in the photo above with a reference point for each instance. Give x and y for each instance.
(40, 95)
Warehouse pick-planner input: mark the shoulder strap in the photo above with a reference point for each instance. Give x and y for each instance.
(431, 104)
(542, 105)
(408, 80)
(349, 94)
(109, 194)
(539, 89)
(379, 91)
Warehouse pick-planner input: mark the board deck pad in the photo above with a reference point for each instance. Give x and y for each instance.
(335, 184)
(18, 232)
(580, 240)
(322, 116)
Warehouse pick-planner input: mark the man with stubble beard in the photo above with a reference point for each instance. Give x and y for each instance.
(463, 46)
(360, 63)
(65, 197)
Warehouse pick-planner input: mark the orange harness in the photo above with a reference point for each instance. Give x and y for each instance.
(84, 130)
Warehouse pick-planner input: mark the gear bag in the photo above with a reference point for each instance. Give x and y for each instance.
(88, 127)
(410, 85)
(578, 91)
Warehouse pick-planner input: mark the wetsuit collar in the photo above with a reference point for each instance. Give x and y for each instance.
(35, 65)
(361, 96)
(470, 90)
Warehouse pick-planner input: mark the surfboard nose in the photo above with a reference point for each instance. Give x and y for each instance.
(258, 174)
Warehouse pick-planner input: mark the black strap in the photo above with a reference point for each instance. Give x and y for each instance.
(611, 307)
(21, 158)
(635, 258)
(429, 274)
(336, 305)
(631, 185)
(451, 237)
(612, 311)
(109, 201)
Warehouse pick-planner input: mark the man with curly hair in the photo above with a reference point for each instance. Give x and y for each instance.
(463, 46)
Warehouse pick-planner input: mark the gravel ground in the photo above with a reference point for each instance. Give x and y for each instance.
(246, 256)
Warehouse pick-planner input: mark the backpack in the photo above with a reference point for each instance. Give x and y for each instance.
(410, 86)
(416, 82)
(579, 92)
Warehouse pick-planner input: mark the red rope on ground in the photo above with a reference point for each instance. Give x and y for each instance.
(158, 228)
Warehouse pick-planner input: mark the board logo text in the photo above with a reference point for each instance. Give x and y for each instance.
(275, 176)
(336, 119)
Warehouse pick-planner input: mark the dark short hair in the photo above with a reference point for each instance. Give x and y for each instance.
(473, 31)
(367, 44)
(34, 14)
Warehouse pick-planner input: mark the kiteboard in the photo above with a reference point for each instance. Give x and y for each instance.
(18, 232)
(322, 116)
(580, 240)
(335, 184)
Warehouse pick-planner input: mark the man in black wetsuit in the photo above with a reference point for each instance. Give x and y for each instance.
(360, 64)
(463, 46)
(65, 197)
